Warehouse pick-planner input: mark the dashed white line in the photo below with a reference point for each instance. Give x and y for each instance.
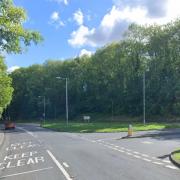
(136, 152)
(148, 160)
(65, 164)
(27, 172)
(120, 150)
(172, 167)
(166, 161)
(137, 156)
(145, 155)
(28, 132)
(67, 176)
(147, 142)
(159, 163)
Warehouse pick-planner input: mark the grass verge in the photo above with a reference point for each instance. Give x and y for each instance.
(176, 156)
(106, 127)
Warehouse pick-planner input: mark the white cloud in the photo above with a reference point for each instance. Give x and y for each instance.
(55, 16)
(78, 17)
(13, 68)
(55, 20)
(122, 14)
(85, 52)
(66, 2)
(80, 37)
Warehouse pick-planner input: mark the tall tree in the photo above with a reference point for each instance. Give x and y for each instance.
(13, 38)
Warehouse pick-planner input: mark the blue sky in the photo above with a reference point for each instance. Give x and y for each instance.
(74, 27)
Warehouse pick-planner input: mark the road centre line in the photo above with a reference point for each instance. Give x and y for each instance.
(26, 172)
(145, 155)
(147, 142)
(172, 167)
(136, 154)
(159, 163)
(67, 176)
(148, 160)
(28, 132)
(166, 161)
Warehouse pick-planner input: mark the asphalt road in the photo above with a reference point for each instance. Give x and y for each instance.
(34, 153)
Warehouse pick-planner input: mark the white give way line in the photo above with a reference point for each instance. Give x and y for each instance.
(67, 176)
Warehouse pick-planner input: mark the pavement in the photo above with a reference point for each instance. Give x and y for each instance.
(33, 153)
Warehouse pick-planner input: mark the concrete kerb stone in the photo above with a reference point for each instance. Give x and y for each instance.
(173, 160)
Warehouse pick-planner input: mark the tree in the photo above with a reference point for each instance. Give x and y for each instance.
(5, 87)
(12, 33)
(13, 38)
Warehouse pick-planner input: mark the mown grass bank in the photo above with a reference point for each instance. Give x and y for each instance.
(176, 156)
(106, 127)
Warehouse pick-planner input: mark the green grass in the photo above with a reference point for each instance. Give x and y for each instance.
(176, 156)
(106, 127)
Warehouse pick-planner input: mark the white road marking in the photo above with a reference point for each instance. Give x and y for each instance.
(166, 161)
(145, 155)
(136, 152)
(67, 176)
(147, 142)
(93, 141)
(148, 160)
(137, 156)
(28, 132)
(159, 163)
(65, 164)
(120, 150)
(171, 167)
(27, 172)
(128, 150)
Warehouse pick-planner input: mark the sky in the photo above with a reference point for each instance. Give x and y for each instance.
(73, 28)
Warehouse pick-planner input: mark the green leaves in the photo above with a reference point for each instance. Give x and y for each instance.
(12, 33)
(110, 81)
(5, 87)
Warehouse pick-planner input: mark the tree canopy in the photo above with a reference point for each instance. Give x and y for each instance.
(13, 38)
(111, 80)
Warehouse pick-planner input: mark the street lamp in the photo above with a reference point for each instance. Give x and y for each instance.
(67, 113)
(146, 56)
(144, 97)
(44, 107)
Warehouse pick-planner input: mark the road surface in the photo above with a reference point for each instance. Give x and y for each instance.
(33, 153)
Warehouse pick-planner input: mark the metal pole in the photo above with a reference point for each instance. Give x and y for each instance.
(44, 109)
(144, 98)
(67, 120)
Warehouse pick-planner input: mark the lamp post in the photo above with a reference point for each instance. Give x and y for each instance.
(44, 107)
(146, 57)
(67, 110)
(144, 97)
